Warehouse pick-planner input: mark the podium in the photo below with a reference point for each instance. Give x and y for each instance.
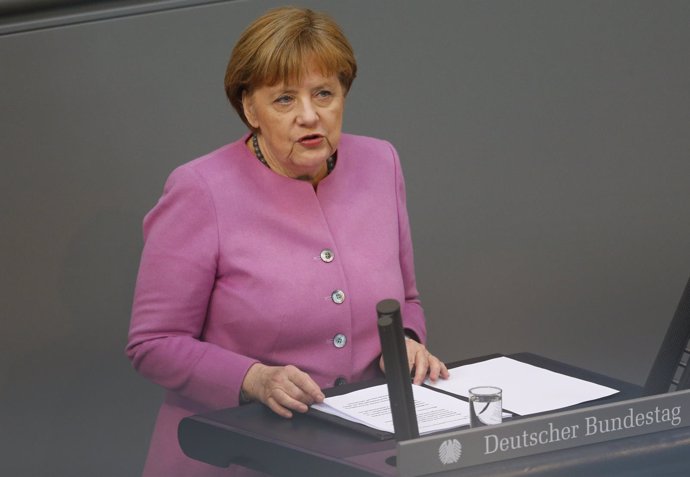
(254, 437)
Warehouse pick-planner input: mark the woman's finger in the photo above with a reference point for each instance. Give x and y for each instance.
(421, 366)
(306, 389)
(437, 369)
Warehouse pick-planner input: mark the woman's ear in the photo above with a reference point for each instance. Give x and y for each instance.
(248, 108)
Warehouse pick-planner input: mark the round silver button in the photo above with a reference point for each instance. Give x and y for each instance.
(338, 296)
(339, 340)
(327, 255)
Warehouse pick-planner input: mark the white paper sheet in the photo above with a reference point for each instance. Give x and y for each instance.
(435, 411)
(526, 389)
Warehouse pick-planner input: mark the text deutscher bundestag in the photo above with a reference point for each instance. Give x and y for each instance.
(590, 427)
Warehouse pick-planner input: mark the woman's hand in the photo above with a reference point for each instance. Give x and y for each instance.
(422, 362)
(282, 388)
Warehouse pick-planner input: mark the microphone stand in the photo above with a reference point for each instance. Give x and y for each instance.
(397, 370)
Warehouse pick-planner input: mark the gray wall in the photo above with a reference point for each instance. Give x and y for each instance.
(545, 146)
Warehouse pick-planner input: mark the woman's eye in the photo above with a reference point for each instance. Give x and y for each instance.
(324, 93)
(284, 99)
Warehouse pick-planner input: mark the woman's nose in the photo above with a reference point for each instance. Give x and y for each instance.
(307, 114)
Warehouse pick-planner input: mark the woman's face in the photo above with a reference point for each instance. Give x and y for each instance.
(298, 124)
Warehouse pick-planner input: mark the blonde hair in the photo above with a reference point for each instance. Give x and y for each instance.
(278, 46)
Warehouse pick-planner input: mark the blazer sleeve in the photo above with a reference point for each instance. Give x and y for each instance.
(412, 312)
(173, 289)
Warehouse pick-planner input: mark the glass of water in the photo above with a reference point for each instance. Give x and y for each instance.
(486, 407)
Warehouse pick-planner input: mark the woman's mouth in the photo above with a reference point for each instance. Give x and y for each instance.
(311, 140)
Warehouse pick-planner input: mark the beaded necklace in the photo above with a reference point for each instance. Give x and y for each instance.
(330, 162)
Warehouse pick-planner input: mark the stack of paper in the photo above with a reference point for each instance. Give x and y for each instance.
(371, 407)
(526, 389)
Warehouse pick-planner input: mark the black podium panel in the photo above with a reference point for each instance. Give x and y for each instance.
(253, 436)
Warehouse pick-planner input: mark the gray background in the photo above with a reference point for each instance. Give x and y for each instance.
(545, 146)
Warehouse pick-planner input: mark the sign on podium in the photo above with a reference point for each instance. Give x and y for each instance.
(539, 434)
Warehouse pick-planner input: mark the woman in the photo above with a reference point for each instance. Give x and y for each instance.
(264, 260)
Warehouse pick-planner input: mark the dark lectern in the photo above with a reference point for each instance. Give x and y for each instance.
(253, 436)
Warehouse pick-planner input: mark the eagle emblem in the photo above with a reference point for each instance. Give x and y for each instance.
(450, 451)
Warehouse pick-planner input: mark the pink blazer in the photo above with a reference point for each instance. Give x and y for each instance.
(243, 265)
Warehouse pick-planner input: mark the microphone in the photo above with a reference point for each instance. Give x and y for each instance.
(397, 370)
